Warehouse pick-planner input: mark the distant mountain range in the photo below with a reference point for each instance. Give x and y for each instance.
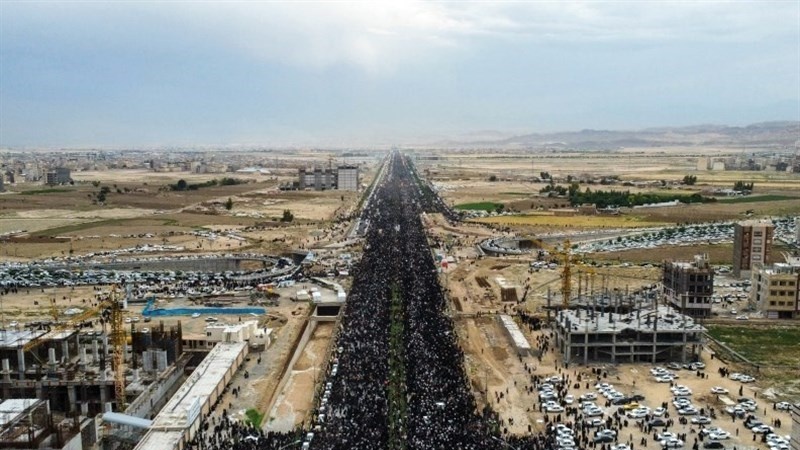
(766, 134)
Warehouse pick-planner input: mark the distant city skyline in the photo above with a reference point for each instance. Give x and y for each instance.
(128, 74)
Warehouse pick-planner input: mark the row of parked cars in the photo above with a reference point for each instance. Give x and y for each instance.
(711, 233)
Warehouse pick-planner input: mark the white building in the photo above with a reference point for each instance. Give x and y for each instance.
(247, 331)
(347, 178)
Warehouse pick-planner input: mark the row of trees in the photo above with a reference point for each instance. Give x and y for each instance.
(182, 185)
(605, 199)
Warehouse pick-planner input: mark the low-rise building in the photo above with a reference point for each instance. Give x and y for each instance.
(59, 175)
(775, 290)
(689, 285)
(347, 178)
(342, 178)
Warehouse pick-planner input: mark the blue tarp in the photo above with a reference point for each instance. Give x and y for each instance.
(152, 311)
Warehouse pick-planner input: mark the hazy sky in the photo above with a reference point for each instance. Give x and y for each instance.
(182, 73)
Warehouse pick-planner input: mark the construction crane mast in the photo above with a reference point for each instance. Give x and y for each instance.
(566, 273)
(118, 355)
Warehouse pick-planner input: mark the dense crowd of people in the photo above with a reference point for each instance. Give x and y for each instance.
(438, 409)
(358, 405)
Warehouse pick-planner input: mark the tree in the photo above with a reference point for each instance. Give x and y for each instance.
(229, 204)
(181, 186)
(492, 177)
(741, 186)
(689, 180)
(544, 175)
(287, 216)
(95, 183)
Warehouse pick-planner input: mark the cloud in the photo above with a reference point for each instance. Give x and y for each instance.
(383, 36)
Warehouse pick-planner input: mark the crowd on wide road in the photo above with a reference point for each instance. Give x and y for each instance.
(358, 407)
(361, 405)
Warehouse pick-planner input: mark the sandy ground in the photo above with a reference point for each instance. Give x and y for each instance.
(490, 359)
(295, 401)
(258, 388)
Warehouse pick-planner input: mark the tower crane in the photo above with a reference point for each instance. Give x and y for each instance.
(118, 337)
(118, 345)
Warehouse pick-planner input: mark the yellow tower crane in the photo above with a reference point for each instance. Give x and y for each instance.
(118, 346)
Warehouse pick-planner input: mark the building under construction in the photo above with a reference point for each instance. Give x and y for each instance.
(652, 335)
(54, 382)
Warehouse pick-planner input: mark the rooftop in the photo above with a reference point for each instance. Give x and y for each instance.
(757, 223)
(661, 318)
(15, 339)
(181, 410)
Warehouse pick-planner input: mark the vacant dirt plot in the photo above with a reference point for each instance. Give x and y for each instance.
(296, 400)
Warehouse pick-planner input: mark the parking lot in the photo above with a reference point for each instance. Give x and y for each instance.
(671, 406)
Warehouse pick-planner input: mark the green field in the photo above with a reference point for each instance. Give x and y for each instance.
(482, 206)
(757, 198)
(766, 346)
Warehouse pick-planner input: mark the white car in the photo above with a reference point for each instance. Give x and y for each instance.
(636, 414)
(565, 442)
(742, 318)
(664, 379)
(761, 429)
(606, 432)
(746, 379)
(620, 447)
(593, 412)
(701, 420)
(666, 435)
(671, 443)
(681, 403)
(569, 399)
(594, 423)
(719, 435)
(747, 406)
(709, 430)
(554, 408)
(588, 396)
(718, 390)
(783, 406)
(659, 412)
(688, 411)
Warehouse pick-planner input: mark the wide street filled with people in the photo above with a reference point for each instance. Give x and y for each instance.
(396, 378)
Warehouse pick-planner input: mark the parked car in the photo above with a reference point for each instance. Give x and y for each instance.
(671, 443)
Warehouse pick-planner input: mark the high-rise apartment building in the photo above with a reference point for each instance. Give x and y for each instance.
(752, 242)
(689, 285)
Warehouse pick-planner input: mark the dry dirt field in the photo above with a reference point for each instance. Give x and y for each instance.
(140, 203)
(464, 178)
